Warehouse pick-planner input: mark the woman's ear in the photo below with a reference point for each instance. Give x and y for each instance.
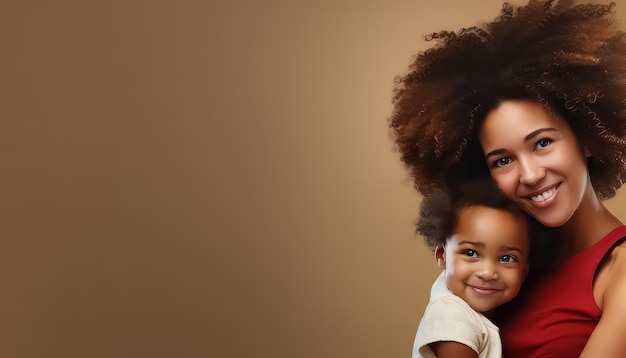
(587, 153)
(440, 256)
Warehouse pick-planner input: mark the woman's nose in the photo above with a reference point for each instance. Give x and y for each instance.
(530, 172)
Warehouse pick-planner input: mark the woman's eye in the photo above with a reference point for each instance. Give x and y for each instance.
(508, 258)
(502, 162)
(470, 253)
(542, 143)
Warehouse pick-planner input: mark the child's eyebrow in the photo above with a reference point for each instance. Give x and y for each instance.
(510, 248)
(479, 244)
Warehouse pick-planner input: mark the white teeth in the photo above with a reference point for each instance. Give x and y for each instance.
(544, 196)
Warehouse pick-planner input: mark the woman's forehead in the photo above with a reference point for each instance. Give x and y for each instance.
(518, 119)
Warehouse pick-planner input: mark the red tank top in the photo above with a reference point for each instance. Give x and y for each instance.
(560, 313)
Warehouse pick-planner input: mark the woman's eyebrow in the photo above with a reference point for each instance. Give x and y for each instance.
(526, 139)
(537, 132)
(494, 152)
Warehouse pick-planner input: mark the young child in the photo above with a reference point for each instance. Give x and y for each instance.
(480, 240)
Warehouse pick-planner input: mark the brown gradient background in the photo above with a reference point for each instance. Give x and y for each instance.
(210, 179)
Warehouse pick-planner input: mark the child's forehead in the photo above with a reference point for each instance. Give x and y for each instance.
(485, 213)
(491, 226)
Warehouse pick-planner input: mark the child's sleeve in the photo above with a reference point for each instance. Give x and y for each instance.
(446, 320)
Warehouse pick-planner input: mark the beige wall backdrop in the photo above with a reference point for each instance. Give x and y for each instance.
(210, 178)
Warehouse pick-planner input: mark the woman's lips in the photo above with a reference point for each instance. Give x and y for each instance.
(545, 195)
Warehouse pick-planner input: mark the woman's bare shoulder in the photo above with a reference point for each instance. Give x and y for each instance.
(610, 272)
(609, 337)
(617, 257)
(615, 271)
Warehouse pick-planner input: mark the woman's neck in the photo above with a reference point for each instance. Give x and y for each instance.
(589, 224)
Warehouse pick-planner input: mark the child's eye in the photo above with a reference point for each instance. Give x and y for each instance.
(542, 143)
(508, 258)
(470, 253)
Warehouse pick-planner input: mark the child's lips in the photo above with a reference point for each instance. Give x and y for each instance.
(484, 290)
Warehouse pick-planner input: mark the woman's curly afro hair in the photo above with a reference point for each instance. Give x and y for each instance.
(570, 58)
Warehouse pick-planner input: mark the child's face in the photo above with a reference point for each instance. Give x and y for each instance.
(486, 258)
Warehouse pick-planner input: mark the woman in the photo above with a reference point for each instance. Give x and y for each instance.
(537, 100)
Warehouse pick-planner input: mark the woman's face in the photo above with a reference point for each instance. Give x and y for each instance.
(536, 160)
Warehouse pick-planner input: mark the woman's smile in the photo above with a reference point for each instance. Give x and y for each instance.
(544, 196)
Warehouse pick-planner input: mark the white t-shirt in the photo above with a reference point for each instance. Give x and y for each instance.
(448, 318)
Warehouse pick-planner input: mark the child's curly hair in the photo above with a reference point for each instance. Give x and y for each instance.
(570, 58)
(439, 211)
